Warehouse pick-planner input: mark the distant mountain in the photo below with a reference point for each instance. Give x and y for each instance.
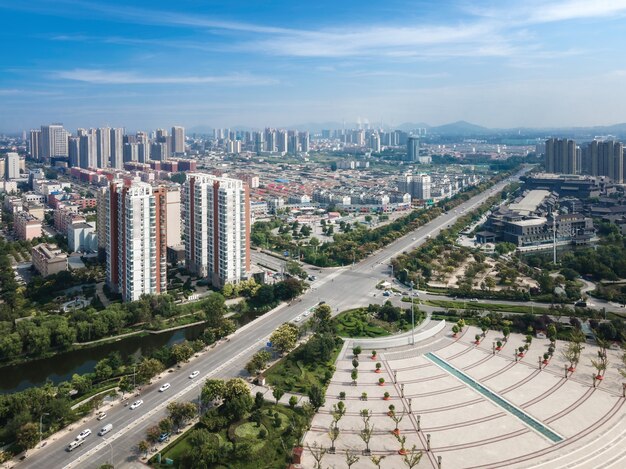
(408, 126)
(460, 128)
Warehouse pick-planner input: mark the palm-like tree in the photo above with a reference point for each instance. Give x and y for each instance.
(351, 458)
(377, 460)
(318, 452)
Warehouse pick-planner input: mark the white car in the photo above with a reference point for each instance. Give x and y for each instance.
(297, 319)
(84, 434)
(194, 374)
(136, 404)
(165, 387)
(102, 415)
(306, 313)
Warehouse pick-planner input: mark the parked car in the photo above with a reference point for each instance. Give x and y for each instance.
(163, 437)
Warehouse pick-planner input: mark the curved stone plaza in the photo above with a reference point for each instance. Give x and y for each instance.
(467, 428)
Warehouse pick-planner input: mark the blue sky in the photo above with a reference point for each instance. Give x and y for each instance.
(148, 64)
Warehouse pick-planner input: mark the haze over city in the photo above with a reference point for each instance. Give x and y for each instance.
(212, 64)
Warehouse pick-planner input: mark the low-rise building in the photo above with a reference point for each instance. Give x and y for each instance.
(26, 226)
(48, 259)
(82, 237)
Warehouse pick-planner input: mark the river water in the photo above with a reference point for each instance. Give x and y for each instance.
(61, 367)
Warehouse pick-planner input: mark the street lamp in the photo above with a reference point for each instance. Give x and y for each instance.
(41, 426)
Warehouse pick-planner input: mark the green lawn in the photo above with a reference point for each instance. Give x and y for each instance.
(359, 323)
(272, 451)
(293, 375)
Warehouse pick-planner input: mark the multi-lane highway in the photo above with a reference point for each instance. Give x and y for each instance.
(341, 288)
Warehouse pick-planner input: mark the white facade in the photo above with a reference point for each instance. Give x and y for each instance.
(12, 165)
(82, 237)
(131, 230)
(53, 141)
(173, 214)
(216, 227)
(117, 148)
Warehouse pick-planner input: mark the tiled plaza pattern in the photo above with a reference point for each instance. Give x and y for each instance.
(468, 430)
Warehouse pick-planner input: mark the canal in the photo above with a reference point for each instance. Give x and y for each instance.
(61, 367)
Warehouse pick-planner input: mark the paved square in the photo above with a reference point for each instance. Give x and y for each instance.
(466, 428)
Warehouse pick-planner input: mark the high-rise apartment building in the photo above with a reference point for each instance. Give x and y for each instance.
(12, 165)
(561, 156)
(418, 186)
(34, 144)
(117, 148)
(103, 139)
(88, 150)
(604, 158)
(73, 150)
(216, 214)
(136, 239)
(178, 139)
(53, 141)
(413, 149)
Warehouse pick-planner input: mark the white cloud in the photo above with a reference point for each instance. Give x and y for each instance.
(104, 77)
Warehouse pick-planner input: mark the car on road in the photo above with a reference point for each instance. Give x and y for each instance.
(101, 415)
(163, 437)
(298, 319)
(306, 313)
(74, 444)
(84, 434)
(106, 429)
(136, 404)
(165, 387)
(194, 374)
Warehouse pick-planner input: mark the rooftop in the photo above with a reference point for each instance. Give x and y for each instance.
(530, 202)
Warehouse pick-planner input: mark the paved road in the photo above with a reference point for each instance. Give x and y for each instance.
(341, 288)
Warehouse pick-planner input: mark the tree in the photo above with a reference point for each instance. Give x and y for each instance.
(264, 295)
(148, 368)
(277, 392)
(214, 309)
(354, 375)
(237, 407)
(339, 410)
(212, 390)
(351, 458)
(235, 387)
(322, 318)
(181, 352)
(288, 289)
(316, 396)
(142, 447)
(284, 338)
(355, 363)
(27, 436)
(412, 458)
(166, 425)
(333, 434)
(377, 460)
(293, 401)
(366, 435)
(258, 362)
(318, 453)
(356, 351)
(152, 434)
(82, 383)
(181, 412)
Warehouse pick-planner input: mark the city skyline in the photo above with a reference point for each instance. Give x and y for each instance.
(146, 65)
